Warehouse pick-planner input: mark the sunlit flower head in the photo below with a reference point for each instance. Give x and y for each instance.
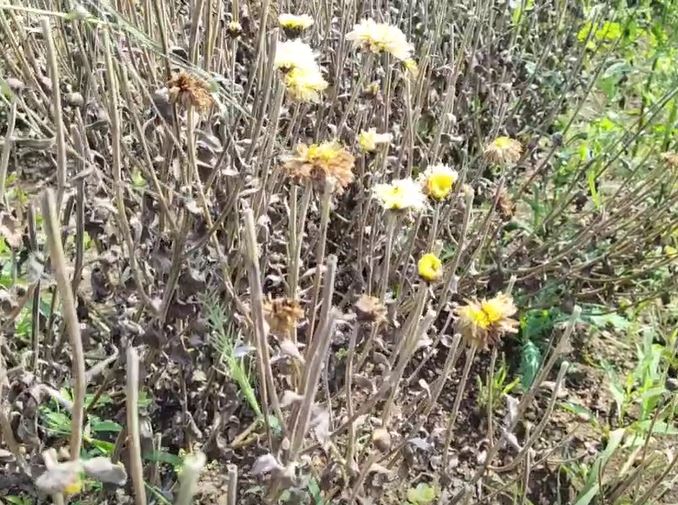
(294, 24)
(293, 54)
(483, 322)
(503, 151)
(369, 140)
(438, 180)
(381, 37)
(282, 315)
(74, 487)
(186, 89)
(401, 194)
(305, 84)
(328, 161)
(430, 268)
(369, 308)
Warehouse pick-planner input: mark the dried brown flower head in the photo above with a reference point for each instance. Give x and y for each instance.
(282, 315)
(505, 205)
(328, 161)
(671, 159)
(503, 151)
(186, 90)
(369, 308)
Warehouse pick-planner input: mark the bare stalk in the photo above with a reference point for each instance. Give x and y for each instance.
(58, 262)
(134, 442)
(232, 485)
(52, 65)
(7, 149)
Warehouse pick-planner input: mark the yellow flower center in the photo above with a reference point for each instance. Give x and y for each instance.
(502, 142)
(323, 152)
(439, 185)
(74, 487)
(478, 317)
(494, 310)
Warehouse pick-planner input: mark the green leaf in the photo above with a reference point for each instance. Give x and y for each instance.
(530, 360)
(422, 494)
(592, 480)
(106, 427)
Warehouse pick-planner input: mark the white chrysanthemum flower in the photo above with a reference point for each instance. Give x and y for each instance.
(381, 37)
(294, 54)
(401, 194)
(295, 22)
(368, 140)
(305, 84)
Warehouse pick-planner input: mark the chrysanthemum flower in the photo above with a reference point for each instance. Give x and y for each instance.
(305, 84)
(401, 194)
(503, 151)
(369, 308)
(368, 140)
(282, 315)
(321, 162)
(293, 54)
(484, 322)
(294, 24)
(430, 267)
(186, 90)
(438, 180)
(381, 37)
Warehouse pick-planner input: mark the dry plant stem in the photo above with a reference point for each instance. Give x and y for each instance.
(116, 168)
(8, 437)
(645, 498)
(364, 471)
(350, 443)
(232, 497)
(58, 262)
(320, 346)
(470, 354)
(134, 442)
(525, 401)
(490, 399)
(188, 480)
(320, 253)
(365, 71)
(391, 219)
(7, 149)
(53, 66)
(266, 379)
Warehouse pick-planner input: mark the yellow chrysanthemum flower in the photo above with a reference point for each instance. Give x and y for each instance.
(381, 37)
(484, 322)
(438, 181)
(305, 84)
(368, 140)
(293, 54)
(401, 194)
(503, 151)
(295, 23)
(430, 267)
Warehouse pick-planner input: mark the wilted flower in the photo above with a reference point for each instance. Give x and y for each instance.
(368, 140)
(401, 194)
(293, 54)
(234, 29)
(671, 159)
(282, 315)
(321, 162)
(381, 37)
(186, 90)
(503, 151)
(484, 322)
(294, 24)
(437, 181)
(305, 84)
(505, 204)
(369, 308)
(430, 267)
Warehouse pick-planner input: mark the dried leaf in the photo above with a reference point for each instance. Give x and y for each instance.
(289, 348)
(10, 230)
